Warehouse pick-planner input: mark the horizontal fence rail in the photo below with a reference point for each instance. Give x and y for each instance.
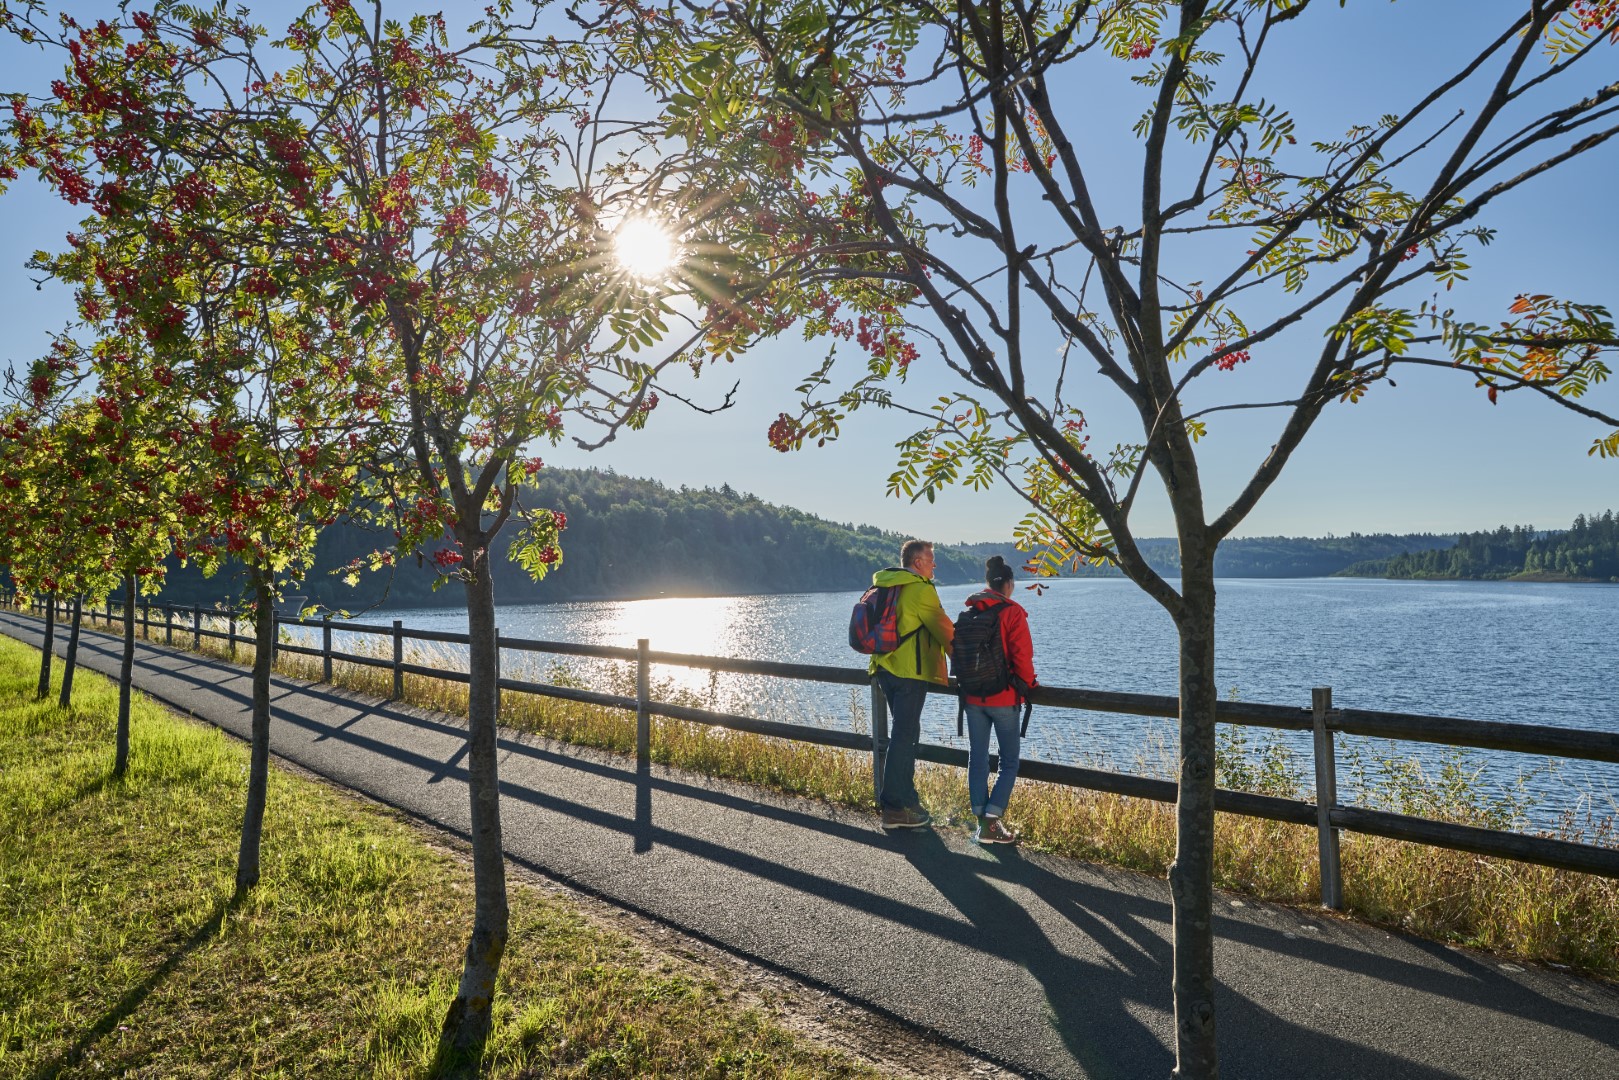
(1325, 814)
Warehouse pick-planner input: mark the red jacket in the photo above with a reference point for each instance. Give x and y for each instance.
(1014, 641)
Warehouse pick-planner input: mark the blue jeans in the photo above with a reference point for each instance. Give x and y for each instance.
(1004, 719)
(905, 700)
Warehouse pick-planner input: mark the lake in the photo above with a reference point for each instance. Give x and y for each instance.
(1525, 653)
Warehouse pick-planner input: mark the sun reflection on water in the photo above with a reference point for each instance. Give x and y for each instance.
(701, 625)
(705, 626)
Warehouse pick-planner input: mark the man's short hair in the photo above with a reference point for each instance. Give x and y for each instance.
(911, 549)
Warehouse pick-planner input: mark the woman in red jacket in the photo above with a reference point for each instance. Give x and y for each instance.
(998, 711)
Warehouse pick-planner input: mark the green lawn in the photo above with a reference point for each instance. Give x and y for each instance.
(121, 952)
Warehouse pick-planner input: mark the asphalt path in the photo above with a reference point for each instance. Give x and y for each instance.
(1051, 967)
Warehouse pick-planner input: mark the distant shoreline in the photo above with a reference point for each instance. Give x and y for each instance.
(1535, 577)
(1531, 579)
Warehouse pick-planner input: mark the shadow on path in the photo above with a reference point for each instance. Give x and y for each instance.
(1085, 1002)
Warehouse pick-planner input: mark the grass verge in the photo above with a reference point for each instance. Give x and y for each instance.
(1530, 912)
(122, 953)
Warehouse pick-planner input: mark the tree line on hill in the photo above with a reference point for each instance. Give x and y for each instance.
(1587, 551)
(626, 538)
(1270, 556)
(630, 538)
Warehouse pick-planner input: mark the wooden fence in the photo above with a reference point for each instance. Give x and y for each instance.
(1320, 718)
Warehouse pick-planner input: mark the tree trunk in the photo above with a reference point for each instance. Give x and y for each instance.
(46, 648)
(1191, 875)
(466, 1026)
(258, 769)
(126, 672)
(72, 659)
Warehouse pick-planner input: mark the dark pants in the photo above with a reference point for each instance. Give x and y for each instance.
(905, 700)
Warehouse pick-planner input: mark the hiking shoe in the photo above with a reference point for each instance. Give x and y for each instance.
(993, 832)
(905, 819)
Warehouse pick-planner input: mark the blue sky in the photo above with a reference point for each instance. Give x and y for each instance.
(1430, 454)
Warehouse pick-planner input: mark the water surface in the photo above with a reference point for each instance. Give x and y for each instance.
(1525, 653)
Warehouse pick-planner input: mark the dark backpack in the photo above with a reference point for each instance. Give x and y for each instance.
(978, 661)
(874, 623)
(977, 656)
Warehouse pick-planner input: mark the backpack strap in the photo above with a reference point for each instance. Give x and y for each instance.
(903, 638)
(1022, 690)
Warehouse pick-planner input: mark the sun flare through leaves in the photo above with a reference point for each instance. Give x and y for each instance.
(644, 247)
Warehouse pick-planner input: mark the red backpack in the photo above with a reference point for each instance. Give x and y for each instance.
(874, 623)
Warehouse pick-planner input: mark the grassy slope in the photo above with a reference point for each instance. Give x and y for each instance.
(122, 954)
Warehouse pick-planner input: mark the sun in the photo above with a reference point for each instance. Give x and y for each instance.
(644, 247)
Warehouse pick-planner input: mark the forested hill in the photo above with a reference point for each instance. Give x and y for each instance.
(1587, 551)
(630, 538)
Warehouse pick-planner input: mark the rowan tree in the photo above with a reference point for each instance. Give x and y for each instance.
(90, 489)
(926, 186)
(445, 206)
(38, 543)
(191, 258)
(478, 187)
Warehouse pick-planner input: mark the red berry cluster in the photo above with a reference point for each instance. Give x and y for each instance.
(455, 221)
(783, 433)
(1595, 14)
(780, 134)
(1142, 48)
(884, 342)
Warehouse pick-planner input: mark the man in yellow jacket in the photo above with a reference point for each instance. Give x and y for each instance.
(905, 675)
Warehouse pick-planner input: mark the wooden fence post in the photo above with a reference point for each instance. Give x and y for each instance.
(643, 696)
(399, 659)
(231, 627)
(326, 647)
(497, 674)
(196, 627)
(275, 634)
(1326, 797)
(879, 739)
(168, 623)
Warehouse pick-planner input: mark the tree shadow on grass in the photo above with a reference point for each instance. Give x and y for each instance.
(136, 995)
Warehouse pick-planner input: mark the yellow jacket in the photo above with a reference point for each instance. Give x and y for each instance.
(922, 655)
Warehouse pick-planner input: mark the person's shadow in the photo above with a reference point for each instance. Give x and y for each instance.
(1093, 1004)
(1085, 1001)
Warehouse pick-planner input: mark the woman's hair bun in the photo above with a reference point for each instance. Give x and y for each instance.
(996, 572)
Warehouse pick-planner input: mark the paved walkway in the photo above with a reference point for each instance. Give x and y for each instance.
(1071, 961)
